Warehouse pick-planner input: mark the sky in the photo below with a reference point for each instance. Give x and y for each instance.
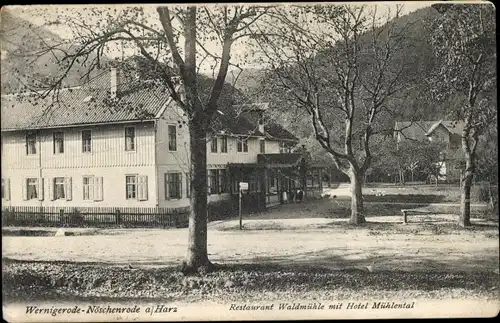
(39, 15)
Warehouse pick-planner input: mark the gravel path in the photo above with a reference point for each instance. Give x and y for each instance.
(320, 242)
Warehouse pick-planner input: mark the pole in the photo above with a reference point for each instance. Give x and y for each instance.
(239, 207)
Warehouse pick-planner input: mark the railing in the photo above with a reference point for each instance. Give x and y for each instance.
(94, 216)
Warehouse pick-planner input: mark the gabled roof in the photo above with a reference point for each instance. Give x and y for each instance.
(272, 130)
(453, 127)
(420, 130)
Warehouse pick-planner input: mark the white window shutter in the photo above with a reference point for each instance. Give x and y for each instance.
(209, 184)
(7, 189)
(142, 188)
(219, 180)
(167, 178)
(40, 188)
(67, 188)
(25, 189)
(98, 189)
(180, 185)
(139, 188)
(51, 189)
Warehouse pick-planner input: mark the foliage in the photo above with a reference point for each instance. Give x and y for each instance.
(464, 41)
(408, 157)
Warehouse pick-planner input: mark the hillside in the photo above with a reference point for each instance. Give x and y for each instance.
(23, 57)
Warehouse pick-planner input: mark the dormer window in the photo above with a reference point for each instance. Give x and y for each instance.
(284, 147)
(242, 145)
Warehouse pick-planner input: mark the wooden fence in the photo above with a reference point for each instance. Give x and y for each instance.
(94, 216)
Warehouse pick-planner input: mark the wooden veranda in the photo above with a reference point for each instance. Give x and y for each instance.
(274, 180)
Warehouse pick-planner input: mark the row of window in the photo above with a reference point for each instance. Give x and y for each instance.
(136, 187)
(241, 145)
(86, 137)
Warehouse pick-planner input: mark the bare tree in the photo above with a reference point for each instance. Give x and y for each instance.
(465, 44)
(339, 63)
(173, 39)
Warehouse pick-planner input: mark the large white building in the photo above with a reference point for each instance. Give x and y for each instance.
(113, 143)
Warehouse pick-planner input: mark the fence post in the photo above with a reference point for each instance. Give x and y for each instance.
(5, 217)
(61, 216)
(118, 216)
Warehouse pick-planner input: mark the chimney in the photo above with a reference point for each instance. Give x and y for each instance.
(114, 82)
(261, 121)
(180, 87)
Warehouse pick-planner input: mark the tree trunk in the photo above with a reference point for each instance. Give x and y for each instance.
(197, 256)
(357, 209)
(465, 189)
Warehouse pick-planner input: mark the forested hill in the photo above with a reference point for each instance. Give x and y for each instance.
(22, 58)
(414, 100)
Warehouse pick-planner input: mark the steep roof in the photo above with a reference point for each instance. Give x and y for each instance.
(87, 104)
(272, 129)
(419, 130)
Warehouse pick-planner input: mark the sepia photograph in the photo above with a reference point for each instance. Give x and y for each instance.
(250, 161)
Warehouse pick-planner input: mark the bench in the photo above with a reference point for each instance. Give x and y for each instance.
(406, 211)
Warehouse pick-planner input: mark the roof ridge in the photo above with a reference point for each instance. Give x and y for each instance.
(41, 91)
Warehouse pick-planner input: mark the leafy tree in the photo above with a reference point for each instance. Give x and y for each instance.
(173, 41)
(464, 41)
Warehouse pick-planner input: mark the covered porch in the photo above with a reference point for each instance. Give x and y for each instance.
(274, 180)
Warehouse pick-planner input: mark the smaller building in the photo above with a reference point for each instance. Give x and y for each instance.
(447, 132)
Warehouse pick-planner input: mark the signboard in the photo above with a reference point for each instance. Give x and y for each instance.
(243, 186)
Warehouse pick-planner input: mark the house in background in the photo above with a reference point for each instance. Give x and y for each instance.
(446, 132)
(121, 142)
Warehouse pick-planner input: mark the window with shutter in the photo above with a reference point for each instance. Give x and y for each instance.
(59, 188)
(31, 188)
(131, 187)
(88, 188)
(174, 185)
